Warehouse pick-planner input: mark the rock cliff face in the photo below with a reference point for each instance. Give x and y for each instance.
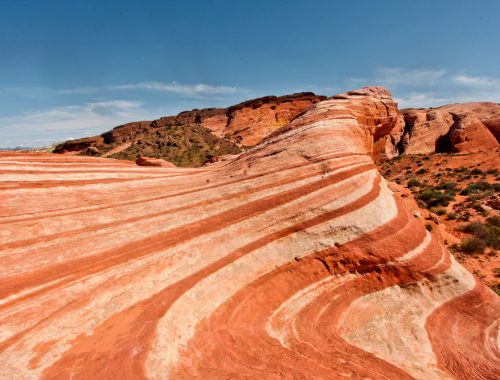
(214, 131)
(292, 260)
(457, 128)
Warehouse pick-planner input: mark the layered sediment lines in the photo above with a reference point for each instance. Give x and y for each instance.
(293, 260)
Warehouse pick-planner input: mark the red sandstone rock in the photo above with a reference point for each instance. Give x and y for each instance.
(294, 260)
(468, 134)
(487, 113)
(79, 144)
(148, 161)
(423, 130)
(244, 124)
(428, 130)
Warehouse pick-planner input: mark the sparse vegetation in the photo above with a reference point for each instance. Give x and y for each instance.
(452, 215)
(472, 245)
(471, 217)
(480, 187)
(439, 210)
(496, 289)
(183, 145)
(432, 196)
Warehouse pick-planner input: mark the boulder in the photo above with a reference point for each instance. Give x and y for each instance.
(148, 161)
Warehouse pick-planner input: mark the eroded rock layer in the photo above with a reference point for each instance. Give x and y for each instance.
(292, 260)
(457, 128)
(193, 137)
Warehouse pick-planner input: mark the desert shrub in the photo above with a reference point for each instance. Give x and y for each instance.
(496, 289)
(451, 186)
(472, 245)
(439, 210)
(414, 182)
(476, 171)
(478, 187)
(452, 215)
(475, 228)
(433, 197)
(489, 234)
(422, 171)
(492, 171)
(428, 227)
(494, 220)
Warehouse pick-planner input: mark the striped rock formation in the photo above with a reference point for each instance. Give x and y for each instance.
(293, 260)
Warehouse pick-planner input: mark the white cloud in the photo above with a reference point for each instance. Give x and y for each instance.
(420, 100)
(77, 90)
(61, 123)
(429, 87)
(474, 81)
(188, 90)
(199, 89)
(414, 77)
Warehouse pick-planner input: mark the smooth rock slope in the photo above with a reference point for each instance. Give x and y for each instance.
(293, 260)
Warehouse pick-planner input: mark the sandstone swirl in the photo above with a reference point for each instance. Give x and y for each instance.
(293, 260)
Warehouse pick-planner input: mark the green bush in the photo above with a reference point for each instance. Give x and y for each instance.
(472, 245)
(439, 211)
(480, 186)
(433, 197)
(496, 289)
(422, 171)
(451, 186)
(494, 220)
(428, 227)
(489, 234)
(414, 183)
(452, 215)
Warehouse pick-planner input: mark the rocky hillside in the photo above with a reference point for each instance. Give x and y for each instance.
(193, 137)
(296, 259)
(457, 195)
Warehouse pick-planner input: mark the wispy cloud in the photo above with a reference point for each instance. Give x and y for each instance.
(199, 89)
(420, 100)
(186, 90)
(429, 87)
(415, 77)
(475, 81)
(90, 116)
(62, 123)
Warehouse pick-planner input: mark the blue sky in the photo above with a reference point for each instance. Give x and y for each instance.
(76, 68)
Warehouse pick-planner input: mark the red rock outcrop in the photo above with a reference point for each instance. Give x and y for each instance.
(294, 260)
(423, 127)
(429, 130)
(79, 144)
(487, 113)
(148, 161)
(468, 134)
(244, 124)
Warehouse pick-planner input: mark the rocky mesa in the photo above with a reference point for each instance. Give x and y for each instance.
(294, 259)
(193, 137)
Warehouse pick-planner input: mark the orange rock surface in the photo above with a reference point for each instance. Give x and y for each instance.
(148, 161)
(292, 260)
(463, 127)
